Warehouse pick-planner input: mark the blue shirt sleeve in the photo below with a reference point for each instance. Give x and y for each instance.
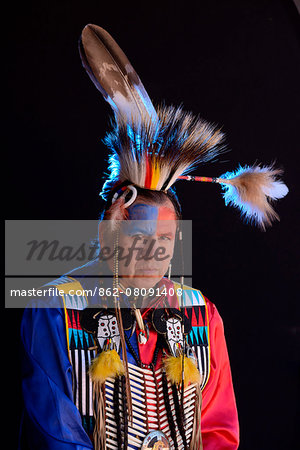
(51, 418)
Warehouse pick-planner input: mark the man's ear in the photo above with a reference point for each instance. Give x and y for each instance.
(105, 237)
(105, 233)
(101, 233)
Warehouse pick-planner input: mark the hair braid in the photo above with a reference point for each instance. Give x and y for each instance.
(168, 410)
(179, 415)
(125, 414)
(117, 409)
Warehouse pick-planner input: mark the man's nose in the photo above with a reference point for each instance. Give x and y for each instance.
(150, 245)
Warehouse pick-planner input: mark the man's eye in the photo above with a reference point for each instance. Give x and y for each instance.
(138, 236)
(164, 238)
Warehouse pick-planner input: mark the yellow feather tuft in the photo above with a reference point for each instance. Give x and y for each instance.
(173, 367)
(107, 365)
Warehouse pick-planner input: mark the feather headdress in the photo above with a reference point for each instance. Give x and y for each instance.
(152, 154)
(153, 148)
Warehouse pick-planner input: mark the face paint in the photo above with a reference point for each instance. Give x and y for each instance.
(142, 219)
(147, 220)
(148, 238)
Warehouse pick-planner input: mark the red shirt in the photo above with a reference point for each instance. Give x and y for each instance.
(219, 418)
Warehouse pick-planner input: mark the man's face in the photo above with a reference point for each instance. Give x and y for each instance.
(146, 243)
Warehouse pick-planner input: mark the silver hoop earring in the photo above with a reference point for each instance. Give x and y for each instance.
(133, 196)
(169, 271)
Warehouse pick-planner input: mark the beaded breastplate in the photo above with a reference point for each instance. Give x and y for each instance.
(155, 402)
(149, 410)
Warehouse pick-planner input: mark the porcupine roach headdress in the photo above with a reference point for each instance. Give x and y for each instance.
(152, 148)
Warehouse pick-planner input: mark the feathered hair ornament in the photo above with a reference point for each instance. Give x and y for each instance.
(251, 190)
(153, 148)
(153, 153)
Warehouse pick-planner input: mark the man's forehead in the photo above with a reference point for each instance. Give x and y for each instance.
(143, 211)
(149, 219)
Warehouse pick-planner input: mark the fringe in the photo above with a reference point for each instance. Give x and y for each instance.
(99, 434)
(196, 439)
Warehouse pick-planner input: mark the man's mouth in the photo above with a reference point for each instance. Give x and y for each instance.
(147, 271)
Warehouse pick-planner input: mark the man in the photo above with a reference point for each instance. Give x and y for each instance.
(53, 420)
(125, 367)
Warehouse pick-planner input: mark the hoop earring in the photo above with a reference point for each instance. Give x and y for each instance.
(169, 271)
(133, 196)
(123, 192)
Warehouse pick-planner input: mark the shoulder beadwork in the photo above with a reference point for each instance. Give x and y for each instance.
(73, 293)
(191, 296)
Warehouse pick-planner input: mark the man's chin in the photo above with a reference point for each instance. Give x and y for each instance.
(143, 281)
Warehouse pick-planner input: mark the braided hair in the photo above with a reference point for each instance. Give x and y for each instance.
(168, 410)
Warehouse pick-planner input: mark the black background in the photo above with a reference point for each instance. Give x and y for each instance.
(237, 64)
